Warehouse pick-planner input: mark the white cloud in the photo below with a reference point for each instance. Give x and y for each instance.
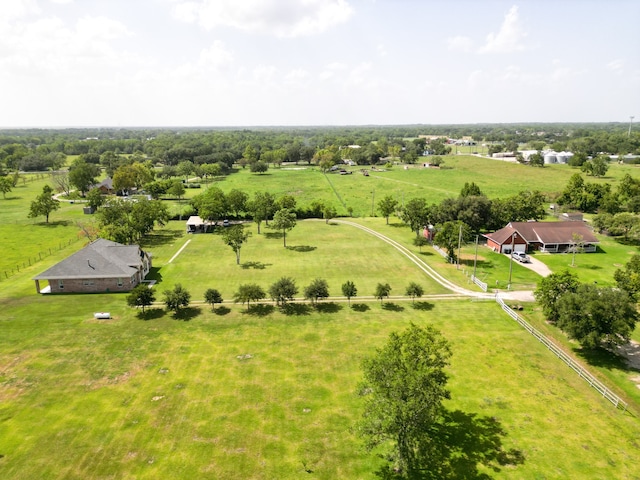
(216, 56)
(382, 50)
(282, 18)
(509, 38)
(62, 2)
(616, 66)
(18, 9)
(460, 43)
(297, 77)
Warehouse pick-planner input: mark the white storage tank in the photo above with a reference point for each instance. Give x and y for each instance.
(550, 157)
(102, 315)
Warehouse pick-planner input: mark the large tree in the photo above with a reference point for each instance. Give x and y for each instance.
(597, 166)
(261, 207)
(449, 235)
(211, 204)
(83, 175)
(235, 237)
(283, 290)
(415, 213)
(628, 277)
(387, 206)
(552, 288)
(44, 204)
(141, 296)
(237, 202)
(597, 316)
(127, 222)
(404, 387)
(284, 220)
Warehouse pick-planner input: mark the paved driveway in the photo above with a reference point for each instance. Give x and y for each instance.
(537, 266)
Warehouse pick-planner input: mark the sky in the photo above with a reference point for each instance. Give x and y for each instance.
(156, 63)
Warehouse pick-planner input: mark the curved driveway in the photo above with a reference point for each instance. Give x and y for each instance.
(525, 296)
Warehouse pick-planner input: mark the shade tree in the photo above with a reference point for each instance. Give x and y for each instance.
(387, 206)
(6, 185)
(414, 290)
(235, 237)
(212, 296)
(283, 290)
(141, 296)
(248, 292)
(44, 204)
(284, 220)
(83, 175)
(176, 298)
(382, 290)
(404, 386)
(318, 289)
(596, 316)
(551, 288)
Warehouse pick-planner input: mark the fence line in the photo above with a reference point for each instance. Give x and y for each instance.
(562, 355)
(479, 282)
(33, 260)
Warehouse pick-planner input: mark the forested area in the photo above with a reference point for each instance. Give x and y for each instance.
(160, 162)
(39, 149)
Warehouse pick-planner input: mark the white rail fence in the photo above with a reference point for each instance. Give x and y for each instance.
(590, 379)
(479, 282)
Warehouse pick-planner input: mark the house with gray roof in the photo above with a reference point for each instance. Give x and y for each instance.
(552, 237)
(102, 266)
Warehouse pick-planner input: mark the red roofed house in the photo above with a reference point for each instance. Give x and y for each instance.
(552, 237)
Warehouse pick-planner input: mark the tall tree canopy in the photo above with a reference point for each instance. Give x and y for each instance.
(403, 388)
(597, 316)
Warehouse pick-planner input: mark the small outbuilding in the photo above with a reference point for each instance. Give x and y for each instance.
(197, 225)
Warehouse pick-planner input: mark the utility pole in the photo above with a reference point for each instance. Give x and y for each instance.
(513, 244)
(475, 259)
(459, 246)
(373, 196)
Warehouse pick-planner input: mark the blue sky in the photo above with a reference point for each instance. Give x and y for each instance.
(317, 62)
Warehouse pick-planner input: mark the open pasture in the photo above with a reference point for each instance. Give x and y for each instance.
(264, 394)
(334, 252)
(236, 395)
(495, 178)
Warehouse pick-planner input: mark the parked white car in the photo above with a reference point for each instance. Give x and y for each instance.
(521, 257)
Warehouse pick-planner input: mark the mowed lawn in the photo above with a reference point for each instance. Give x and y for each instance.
(235, 395)
(315, 249)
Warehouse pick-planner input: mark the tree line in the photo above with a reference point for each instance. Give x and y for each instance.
(594, 316)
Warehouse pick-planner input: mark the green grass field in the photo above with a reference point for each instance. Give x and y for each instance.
(146, 399)
(264, 394)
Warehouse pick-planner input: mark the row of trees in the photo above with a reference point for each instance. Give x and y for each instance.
(282, 291)
(594, 316)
